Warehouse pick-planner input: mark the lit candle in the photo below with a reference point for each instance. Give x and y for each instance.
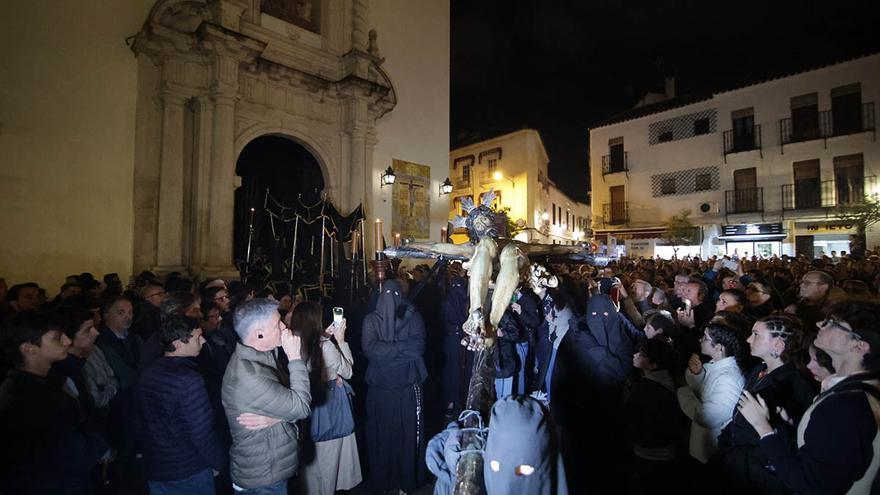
(443, 234)
(397, 240)
(377, 239)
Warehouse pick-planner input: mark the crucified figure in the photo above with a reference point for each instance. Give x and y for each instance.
(488, 247)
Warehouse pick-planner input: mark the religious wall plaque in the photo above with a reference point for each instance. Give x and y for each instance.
(411, 203)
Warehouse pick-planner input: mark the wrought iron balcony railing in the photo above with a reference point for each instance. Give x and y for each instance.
(616, 213)
(613, 166)
(825, 124)
(744, 200)
(812, 193)
(744, 140)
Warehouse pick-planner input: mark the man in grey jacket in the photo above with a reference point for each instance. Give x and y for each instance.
(262, 403)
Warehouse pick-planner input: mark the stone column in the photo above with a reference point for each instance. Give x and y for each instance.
(169, 243)
(359, 31)
(221, 186)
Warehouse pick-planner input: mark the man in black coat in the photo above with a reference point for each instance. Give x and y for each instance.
(48, 446)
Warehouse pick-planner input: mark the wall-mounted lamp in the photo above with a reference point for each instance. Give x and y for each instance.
(387, 178)
(545, 216)
(445, 187)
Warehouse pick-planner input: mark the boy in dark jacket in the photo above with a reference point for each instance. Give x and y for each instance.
(182, 450)
(48, 446)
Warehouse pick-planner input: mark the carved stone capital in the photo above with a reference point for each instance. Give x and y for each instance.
(173, 94)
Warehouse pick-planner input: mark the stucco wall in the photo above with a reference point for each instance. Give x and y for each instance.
(67, 101)
(413, 37)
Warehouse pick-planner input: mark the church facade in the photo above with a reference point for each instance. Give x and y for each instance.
(211, 77)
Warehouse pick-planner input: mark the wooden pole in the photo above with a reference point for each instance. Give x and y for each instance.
(481, 395)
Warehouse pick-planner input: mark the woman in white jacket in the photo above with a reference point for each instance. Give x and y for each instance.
(712, 389)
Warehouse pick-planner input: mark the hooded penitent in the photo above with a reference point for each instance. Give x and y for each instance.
(395, 321)
(610, 350)
(521, 455)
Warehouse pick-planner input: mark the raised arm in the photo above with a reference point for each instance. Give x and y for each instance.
(269, 397)
(461, 252)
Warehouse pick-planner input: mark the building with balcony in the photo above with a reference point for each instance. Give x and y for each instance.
(761, 167)
(514, 165)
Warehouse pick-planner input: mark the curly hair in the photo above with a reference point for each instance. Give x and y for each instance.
(861, 316)
(788, 328)
(729, 338)
(176, 327)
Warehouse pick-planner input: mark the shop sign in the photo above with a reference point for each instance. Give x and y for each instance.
(640, 247)
(826, 227)
(752, 229)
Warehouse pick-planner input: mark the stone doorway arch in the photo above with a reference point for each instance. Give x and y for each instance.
(277, 170)
(213, 76)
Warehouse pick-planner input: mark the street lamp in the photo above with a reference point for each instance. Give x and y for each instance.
(445, 187)
(498, 176)
(387, 178)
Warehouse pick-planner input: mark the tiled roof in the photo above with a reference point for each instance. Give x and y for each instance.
(690, 99)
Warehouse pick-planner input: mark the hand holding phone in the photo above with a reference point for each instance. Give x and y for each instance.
(731, 265)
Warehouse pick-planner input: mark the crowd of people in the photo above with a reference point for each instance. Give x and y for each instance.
(642, 376)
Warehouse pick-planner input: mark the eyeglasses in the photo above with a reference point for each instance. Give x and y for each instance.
(840, 325)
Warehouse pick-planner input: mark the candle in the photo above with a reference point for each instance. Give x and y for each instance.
(355, 242)
(377, 239)
(443, 234)
(397, 240)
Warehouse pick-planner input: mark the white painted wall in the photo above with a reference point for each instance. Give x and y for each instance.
(771, 102)
(413, 37)
(523, 161)
(67, 103)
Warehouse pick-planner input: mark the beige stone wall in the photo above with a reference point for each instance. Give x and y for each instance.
(67, 103)
(413, 37)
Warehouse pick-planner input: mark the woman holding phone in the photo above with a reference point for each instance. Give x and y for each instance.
(336, 465)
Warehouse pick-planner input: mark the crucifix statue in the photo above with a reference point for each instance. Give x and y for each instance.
(489, 248)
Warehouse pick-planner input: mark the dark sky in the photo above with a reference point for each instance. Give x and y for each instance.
(563, 66)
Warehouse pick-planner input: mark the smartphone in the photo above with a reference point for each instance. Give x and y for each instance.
(730, 265)
(614, 293)
(337, 315)
(687, 305)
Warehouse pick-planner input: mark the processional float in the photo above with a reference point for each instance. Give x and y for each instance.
(489, 250)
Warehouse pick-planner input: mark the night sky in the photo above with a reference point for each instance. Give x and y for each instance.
(564, 66)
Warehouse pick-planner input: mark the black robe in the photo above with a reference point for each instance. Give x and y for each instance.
(393, 342)
(457, 360)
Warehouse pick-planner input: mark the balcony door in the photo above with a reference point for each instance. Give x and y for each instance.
(805, 117)
(743, 129)
(807, 184)
(616, 157)
(618, 205)
(846, 109)
(745, 185)
(849, 178)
